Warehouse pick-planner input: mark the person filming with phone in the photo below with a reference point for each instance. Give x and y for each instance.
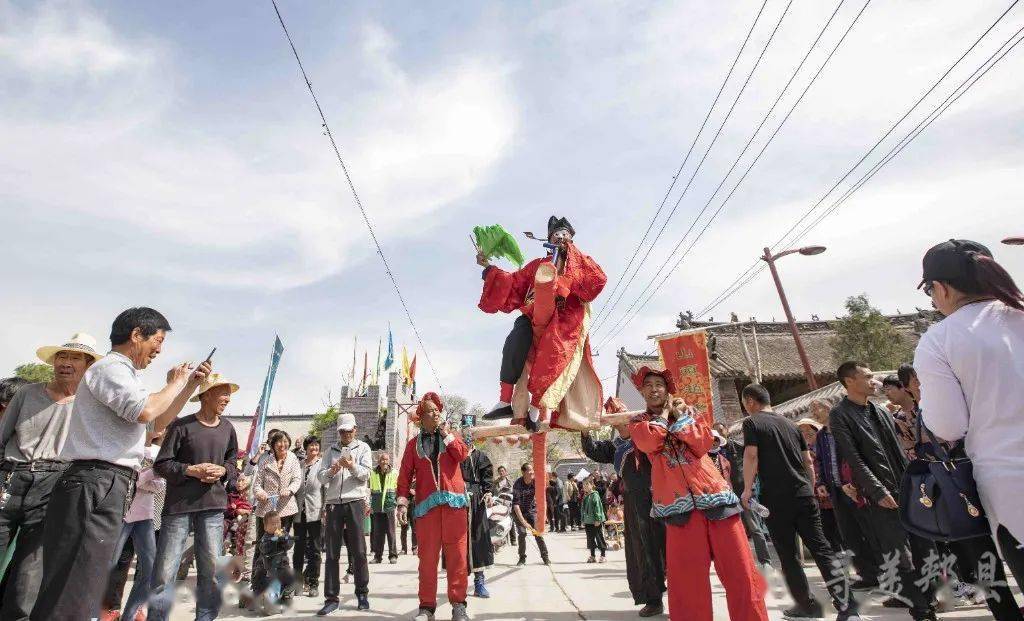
(345, 472)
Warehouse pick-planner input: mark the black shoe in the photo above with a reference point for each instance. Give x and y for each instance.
(863, 585)
(375, 561)
(393, 560)
(894, 602)
(531, 425)
(546, 560)
(328, 608)
(364, 602)
(522, 561)
(812, 610)
(652, 610)
(504, 411)
(848, 615)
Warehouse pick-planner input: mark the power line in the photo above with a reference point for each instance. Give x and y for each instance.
(626, 318)
(696, 170)
(751, 272)
(359, 203)
(686, 158)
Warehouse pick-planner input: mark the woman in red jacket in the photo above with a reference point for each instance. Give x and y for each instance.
(433, 460)
(698, 507)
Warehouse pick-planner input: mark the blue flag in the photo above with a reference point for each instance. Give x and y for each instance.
(259, 418)
(390, 360)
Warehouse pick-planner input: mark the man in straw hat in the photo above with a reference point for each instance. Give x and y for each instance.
(105, 444)
(344, 473)
(432, 462)
(778, 455)
(197, 458)
(32, 435)
(697, 505)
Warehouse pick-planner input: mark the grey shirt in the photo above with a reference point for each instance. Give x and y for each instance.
(347, 485)
(34, 426)
(310, 495)
(105, 420)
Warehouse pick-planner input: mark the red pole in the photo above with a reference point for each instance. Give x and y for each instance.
(770, 260)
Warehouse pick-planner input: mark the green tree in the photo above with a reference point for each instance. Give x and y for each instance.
(323, 420)
(455, 406)
(34, 371)
(864, 334)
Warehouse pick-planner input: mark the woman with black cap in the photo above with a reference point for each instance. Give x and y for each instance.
(971, 368)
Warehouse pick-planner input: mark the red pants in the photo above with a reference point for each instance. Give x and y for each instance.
(448, 528)
(689, 550)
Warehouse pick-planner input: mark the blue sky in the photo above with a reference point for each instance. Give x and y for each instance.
(169, 155)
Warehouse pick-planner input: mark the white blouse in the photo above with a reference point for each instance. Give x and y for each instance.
(971, 367)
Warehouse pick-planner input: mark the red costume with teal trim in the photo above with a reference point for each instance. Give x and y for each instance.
(441, 513)
(701, 515)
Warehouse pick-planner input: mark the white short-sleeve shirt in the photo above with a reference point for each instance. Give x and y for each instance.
(105, 420)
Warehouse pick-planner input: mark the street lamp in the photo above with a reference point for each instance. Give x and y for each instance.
(770, 259)
(1014, 241)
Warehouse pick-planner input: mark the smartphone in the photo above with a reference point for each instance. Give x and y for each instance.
(210, 357)
(346, 452)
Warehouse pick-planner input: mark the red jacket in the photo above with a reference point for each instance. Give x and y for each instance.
(444, 487)
(683, 476)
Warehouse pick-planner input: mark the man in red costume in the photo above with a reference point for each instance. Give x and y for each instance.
(559, 351)
(433, 460)
(698, 507)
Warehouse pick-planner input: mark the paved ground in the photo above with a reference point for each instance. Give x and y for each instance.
(568, 590)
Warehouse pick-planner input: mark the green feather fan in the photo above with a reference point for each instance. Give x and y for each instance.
(495, 241)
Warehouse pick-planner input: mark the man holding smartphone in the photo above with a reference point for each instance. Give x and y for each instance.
(105, 446)
(345, 472)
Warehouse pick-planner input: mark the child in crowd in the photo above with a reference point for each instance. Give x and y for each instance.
(236, 521)
(592, 513)
(271, 572)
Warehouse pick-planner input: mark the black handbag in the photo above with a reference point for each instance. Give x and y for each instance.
(938, 496)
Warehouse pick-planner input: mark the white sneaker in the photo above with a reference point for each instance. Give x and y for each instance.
(424, 615)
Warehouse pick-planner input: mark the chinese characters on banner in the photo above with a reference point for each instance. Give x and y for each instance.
(686, 357)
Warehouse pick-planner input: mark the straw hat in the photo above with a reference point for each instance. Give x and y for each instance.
(80, 342)
(809, 422)
(212, 381)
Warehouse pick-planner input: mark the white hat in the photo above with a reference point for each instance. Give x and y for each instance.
(810, 422)
(80, 342)
(346, 422)
(212, 381)
(719, 437)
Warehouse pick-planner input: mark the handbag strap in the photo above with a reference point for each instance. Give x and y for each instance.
(936, 445)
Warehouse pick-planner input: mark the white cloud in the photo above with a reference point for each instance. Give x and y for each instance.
(132, 159)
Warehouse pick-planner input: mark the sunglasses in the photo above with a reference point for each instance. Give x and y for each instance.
(928, 288)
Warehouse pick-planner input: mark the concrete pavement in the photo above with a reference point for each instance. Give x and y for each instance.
(568, 590)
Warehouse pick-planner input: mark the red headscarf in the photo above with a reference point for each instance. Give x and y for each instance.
(643, 372)
(430, 397)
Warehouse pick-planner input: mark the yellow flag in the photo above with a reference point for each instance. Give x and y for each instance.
(406, 372)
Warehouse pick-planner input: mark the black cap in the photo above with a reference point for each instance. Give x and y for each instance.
(949, 260)
(555, 223)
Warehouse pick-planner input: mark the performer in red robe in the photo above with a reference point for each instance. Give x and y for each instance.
(550, 340)
(698, 507)
(433, 459)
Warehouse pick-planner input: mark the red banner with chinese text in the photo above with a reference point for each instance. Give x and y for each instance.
(685, 356)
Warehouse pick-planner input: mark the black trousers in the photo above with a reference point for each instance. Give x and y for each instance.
(516, 349)
(831, 529)
(800, 516)
(345, 524)
(532, 521)
(595, 538)
(83, 523)
(382, 526)
(978, 562)
(23, 515)
(851, 523)
(574, 514)
(114, 594)
(886, 535)
(306, 553)
(407, 529)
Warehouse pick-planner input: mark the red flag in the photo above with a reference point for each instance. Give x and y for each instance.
(412, 369)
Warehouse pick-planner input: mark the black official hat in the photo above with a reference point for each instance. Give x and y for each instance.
(949, 260)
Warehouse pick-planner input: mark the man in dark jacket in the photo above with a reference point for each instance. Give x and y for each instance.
(866, 440)
(752, 524)
(645, 536)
